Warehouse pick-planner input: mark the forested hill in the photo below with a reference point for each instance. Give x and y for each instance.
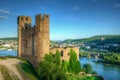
(100, 38)
(9, 38)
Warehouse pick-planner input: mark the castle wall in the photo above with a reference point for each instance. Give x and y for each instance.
(65, 52)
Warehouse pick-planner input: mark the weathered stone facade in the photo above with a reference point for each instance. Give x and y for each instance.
(65, 52)
(34, 42)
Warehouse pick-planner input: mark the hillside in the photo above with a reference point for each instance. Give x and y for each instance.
(100, 38)
(16, 69)
(9, 38)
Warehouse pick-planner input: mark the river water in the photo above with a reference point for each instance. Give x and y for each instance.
(8, 53)
(108, 72)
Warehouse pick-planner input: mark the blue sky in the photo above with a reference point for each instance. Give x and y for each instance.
(69, 19)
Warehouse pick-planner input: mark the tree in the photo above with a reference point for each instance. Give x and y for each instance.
(87, 68)
(49, 57)
(56, 58)
(74, 64)
(49, 71)
(65, 65)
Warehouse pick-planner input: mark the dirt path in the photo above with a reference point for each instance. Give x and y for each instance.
(1, 78)
(10, 63)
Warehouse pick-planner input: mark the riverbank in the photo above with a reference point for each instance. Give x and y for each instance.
(13, 68)
(107, 63)
(108, 72)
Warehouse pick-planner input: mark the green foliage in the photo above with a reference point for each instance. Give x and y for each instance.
(91, 78)
(57, 58)
(49, 57)
(9, 38)
(27, 69)
(5, 74)
(74, 64)
(112, 59)
(108, 39)
(65, 66)
(84, 77)
(87, 68)
(50, 71)
(53, 58)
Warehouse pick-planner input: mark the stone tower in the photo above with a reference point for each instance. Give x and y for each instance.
(42, 39)
(33, 42)
(24, 22)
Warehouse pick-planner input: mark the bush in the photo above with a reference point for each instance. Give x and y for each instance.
(87, 68)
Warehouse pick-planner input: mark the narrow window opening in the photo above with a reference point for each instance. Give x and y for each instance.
(61, 53)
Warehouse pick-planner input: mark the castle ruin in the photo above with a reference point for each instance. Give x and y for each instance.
(34, 42)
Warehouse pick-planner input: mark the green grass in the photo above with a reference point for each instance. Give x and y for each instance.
(6, 74)
(82, 77)
(26, 70)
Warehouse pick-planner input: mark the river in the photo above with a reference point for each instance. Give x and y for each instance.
(108, 72)
(8, 53)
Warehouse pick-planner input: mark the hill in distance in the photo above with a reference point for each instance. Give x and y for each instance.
(104, 38)
(9, 38)
(100, 38)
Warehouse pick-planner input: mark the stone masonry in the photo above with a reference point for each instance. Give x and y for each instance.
(34, 42)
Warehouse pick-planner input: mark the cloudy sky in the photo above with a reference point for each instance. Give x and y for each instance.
(69, 19)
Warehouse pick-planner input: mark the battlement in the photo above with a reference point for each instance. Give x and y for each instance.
(42, 17)
(24, 20)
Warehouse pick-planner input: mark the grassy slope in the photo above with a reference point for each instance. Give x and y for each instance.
(27, 71)
(24, 68)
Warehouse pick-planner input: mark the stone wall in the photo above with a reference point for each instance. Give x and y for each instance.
(65, 52)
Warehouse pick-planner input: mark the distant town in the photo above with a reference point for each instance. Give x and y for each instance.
(8, 44)
(106, 43)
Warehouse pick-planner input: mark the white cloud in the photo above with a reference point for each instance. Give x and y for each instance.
(75, 7)
(4, 11)
(117, 5)
(3, 17)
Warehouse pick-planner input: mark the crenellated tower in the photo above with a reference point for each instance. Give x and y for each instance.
(42, 36)
(24, 29)
(33, 42)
